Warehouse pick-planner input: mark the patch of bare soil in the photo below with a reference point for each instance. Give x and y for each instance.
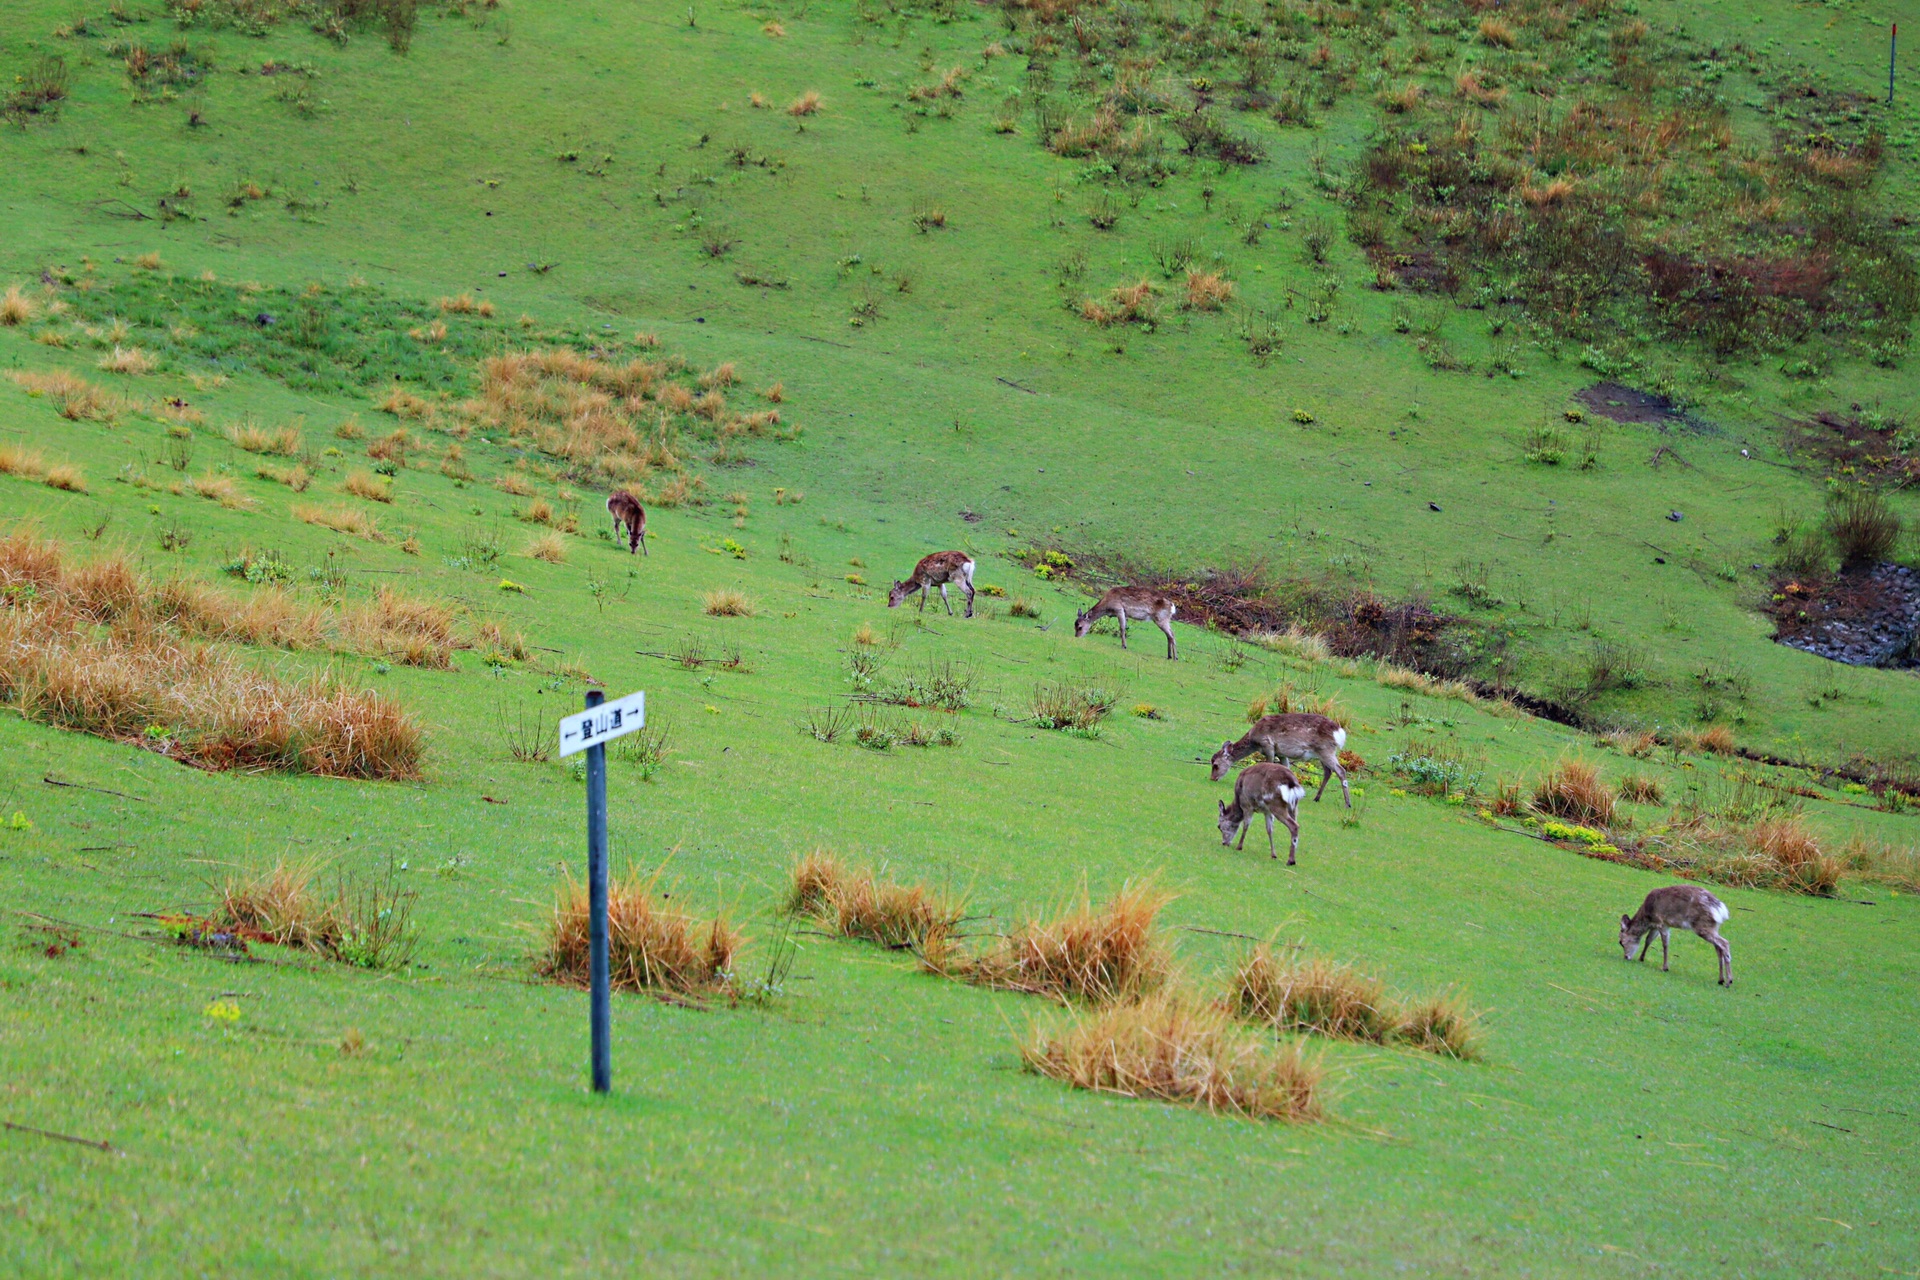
(1857, 444)
(1622, 403)
(1866, 619)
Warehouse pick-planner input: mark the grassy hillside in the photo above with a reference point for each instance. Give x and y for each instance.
(294, 284)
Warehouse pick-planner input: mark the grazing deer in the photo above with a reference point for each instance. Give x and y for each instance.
(1142, 604)
(1686, 906)
(628, 514)
(1297, 735)
(1263, 788)
(937, 570)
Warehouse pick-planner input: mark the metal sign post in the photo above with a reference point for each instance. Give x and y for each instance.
(590, 731)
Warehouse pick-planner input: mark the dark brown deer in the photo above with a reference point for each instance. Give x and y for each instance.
(936, 570)
(1270, 789)
(629, 515)
(1142, 604)
(1297, 735)
(1685, 906)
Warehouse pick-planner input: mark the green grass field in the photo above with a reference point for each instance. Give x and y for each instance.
(574, 167)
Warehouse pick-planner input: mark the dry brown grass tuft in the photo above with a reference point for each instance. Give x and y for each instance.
(296, 478)
(1174, 1048)
(1124, 304)
(67, 478)
(539, 511)
(1474, 89)
(220, 489)
(1574, 790)
(653, 947)
(414, 633)
(77, 399)
(513, 483)
(17, 460)
(1497, 33)
(1207, 291)
(148, 684)
(284, 441)
(806, 104)
(550, 547)
(1638, 788)
(1638, 744)
(462, 305)
(1404, 99)
(429, 333)
(148, 262)
(128, 360)
(1718, 739)
(347, 520)
(1312, 995)
(1443, 1025)
(1787, 848)
(365, 484)
(1099, 955)
(1883, 863)
(721, 375)
(279, 905)
(854, 904)
(16, 307)
(758, 101)
(727, 604)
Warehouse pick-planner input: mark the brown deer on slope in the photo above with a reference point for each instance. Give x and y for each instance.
(1270, 789)
(629, 515)
(1297, 735)
(1685, 906)
(936, 570)
(1142, 604)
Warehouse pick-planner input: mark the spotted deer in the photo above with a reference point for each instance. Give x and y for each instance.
(1142, 604)
(1685, 906)
(1270, 789)
(936, 570)
(630, 516)
(1296, 735)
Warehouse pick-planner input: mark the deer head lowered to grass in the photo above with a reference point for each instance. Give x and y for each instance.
(1270, 789)
(1295, 735)
(1142, 604)
(936, 570)
(1685, 906)
(629, 515)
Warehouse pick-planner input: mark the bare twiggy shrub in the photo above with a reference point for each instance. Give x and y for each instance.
(1175, 1048)
(1573, 790)
(856, 904)
(1862, 524)
(653, 946)
(1099, 955)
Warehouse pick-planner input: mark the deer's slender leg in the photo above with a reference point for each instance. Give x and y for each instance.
(944, 600)
(1646, 944)
(967, 582)
(1271, 851)
(1332, 762)
(1725, 950)
(1293, 826)
(1326, 775)
(1166, 625)
(1663, 948)
(1245, 825)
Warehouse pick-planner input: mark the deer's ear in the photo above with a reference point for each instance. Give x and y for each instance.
(1223, 807)
(1625, 920)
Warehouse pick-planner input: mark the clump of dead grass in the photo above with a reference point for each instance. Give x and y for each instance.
(365, 484)
(1639, 788)
(1171, 1047)
(1313, 994)
(347, 520)
(127, 360)
(726, 603)
(254, 438)
(361, 922)
(220, 489)
(857, 904)
(1207, 291)
(653, 947)
(806, 104)
(1100, 955)
(67, 478)
(76, 399)
(550, 547)
(1572, 789)
(18, 460)
(16, 307)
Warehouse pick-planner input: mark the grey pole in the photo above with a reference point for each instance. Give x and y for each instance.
(601, 1012)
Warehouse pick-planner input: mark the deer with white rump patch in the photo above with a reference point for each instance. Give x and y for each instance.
(1684, 906)
(1142, 604)
(630, 516)
(1295, 735)
(1269, 789)
(937, 570)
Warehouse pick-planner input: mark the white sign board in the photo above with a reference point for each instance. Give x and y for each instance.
(603, 723)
